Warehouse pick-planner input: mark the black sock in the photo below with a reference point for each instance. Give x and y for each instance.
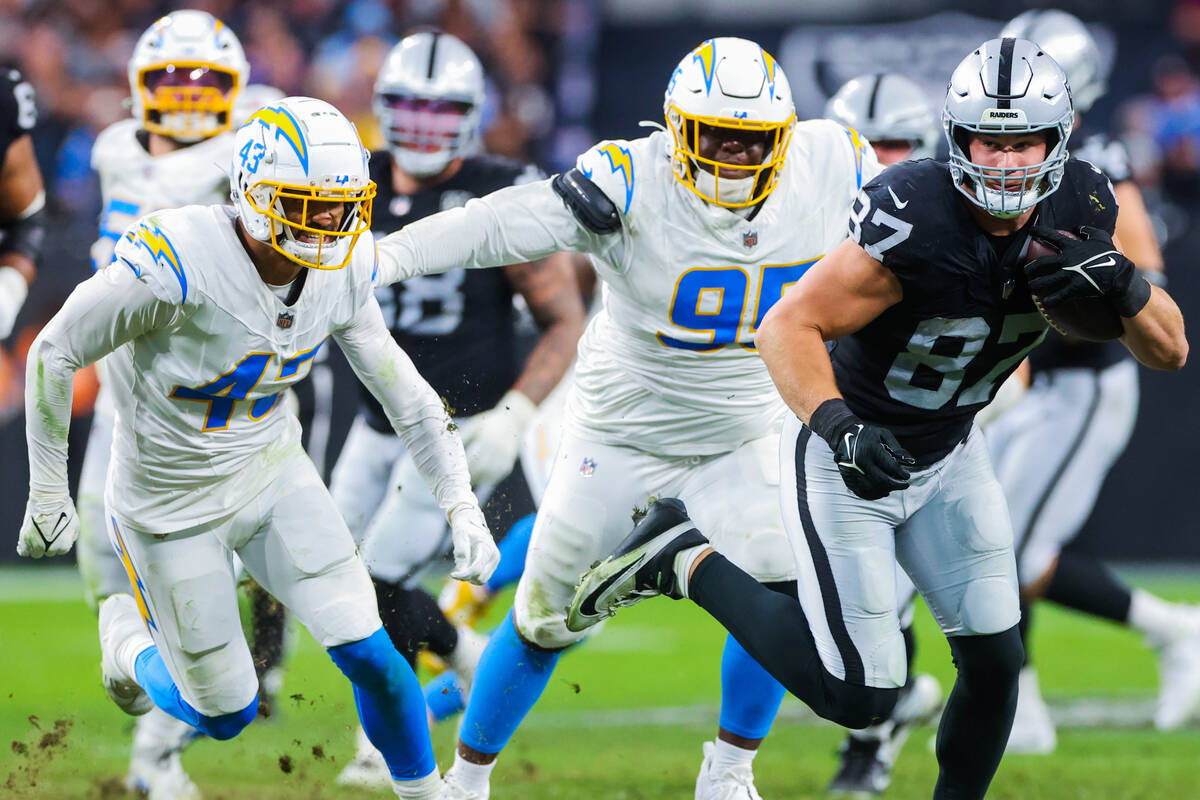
(1084, 584)
(773, 629)
(979, 714)
(910, 651)
(413, 621)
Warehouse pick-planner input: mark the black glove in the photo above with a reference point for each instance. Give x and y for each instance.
(1086, 267)
(871, 461)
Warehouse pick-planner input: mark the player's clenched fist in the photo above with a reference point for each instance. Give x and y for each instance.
(872, 463)
(475, 552)
(49, 529)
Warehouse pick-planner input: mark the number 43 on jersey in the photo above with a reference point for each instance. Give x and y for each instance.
(223, 392)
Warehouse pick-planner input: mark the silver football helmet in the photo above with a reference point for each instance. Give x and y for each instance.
(1007, 86)
(1068, 42)
(886, 107)
(429, 100)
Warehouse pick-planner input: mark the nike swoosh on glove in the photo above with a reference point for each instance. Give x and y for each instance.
(1087, 267)
(475, 553)
(50, 528)
(492, 439)
(870, 459)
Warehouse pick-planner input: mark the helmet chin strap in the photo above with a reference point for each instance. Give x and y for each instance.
(732, 190)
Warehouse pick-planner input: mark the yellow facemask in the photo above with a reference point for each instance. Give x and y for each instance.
(191, 110)
(685, 128)
(266, 197)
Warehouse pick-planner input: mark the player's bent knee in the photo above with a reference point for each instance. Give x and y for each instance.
(990, 605)
(370, 663)
(227, 726)
(857, 707)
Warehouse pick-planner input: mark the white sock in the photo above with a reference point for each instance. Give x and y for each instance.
(427, 788)
(1159, 620)
(475, 777)
(874, 733)
(157, 732)
(684, 560)
(726, 755)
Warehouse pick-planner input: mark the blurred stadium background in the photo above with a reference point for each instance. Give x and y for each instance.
(564, 73)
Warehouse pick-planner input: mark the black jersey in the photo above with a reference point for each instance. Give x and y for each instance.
(18, 112)
(1110, 157)
(458, 327)
(925, 366)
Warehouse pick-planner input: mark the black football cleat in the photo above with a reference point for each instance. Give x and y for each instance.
(862, 773)
(642, 566)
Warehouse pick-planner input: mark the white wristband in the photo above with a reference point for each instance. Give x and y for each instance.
(13, 291)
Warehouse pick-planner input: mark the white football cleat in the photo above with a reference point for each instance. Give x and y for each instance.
(1179, 682)
(1033, 731)
(123, 637)
(453, 789)
(161, 778)
(730, 783)
(367, 770)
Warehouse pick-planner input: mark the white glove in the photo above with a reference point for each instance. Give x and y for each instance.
(13, 291)
(492, 438)
(475, 551)
(49, 529)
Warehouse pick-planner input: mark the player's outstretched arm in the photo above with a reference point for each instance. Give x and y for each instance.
(102, 313)
(509, 226)
(420, 419)
(840, 294)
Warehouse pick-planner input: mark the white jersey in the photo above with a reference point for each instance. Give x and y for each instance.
(669, 365)
(134, 183)
(204, 350)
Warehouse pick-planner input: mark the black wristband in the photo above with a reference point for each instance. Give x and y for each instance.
(1134, 298)
(25, 235)
(831, 419)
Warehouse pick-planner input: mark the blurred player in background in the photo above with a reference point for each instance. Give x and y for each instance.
(213, 312)
(1053, 450)
(460, 329)
(187, 80)
(22, 197)
(893, 113)
(695, 232)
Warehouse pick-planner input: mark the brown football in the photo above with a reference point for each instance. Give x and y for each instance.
(1090, 318)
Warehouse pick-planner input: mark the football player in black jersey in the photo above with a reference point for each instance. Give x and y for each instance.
(461, 331)
(1053, 450)
(931, 310)
(22, 197)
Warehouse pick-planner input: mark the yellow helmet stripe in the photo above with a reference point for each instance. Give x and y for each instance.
(286, 128)
(706, 54)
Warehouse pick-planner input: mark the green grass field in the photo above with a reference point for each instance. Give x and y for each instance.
(623, 717)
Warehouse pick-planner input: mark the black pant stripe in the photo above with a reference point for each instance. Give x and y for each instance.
(851, 659)
(1084, 428)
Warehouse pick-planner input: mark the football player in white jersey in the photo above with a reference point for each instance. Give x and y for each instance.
(210, 314)
(695, 231)
(1053, 450)
(187, 81)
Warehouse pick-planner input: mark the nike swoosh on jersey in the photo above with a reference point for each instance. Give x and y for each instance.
(896, 200)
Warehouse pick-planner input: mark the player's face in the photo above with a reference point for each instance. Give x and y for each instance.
(731, 146)
(892, 151)
(323, 214)
(1010, 151)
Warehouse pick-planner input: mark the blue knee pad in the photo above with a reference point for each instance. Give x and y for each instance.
(513, 549)
(390, 703)
(510, 678)
(152, 675)
(750, 697)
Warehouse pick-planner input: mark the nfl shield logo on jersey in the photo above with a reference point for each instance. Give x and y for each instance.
(750, 238)
(285, 319)
(588, 468)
